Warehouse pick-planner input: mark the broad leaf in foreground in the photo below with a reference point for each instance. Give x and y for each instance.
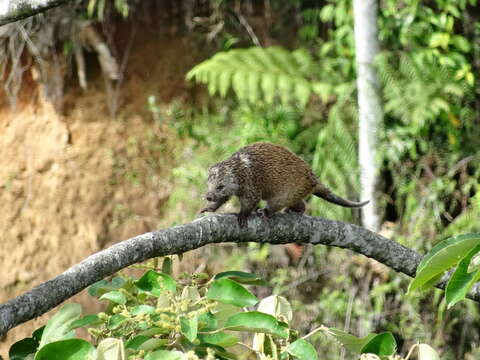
(383, 344)
(255, 321)
(442, 257)
(155, 283)
(231, 292)
(302, 349)
(351, 342)
(69, 349)
(462, 280)
(58, 327)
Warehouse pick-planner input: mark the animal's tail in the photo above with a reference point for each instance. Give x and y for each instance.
(325, 193)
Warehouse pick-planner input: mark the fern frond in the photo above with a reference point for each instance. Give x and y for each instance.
(420, 90)
(260, 74)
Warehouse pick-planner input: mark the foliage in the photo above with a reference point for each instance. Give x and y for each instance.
(428, 151)
(261, 75)
(193, 317)
(157, 317)
(429, 108)
(455, 251)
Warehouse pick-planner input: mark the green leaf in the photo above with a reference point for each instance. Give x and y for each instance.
(189, 327)
(352, 343)
(268, 84)
(37, 334)
(87, 320)
(224, 82)
(142, 309)
(255, 321)
(241, 277)
(155, 283)
(115, 321)
(461, 43)
(442, 257)
(153, 344)
(323, 90)
(220, 339)
(285, 85)
(21, 349)
(135, 342)
(253, 91)
(302, 349)
(302, 92)
(207, 322)
(58, 327)
(166, 355)
(114, 296)
(383, 344)
(69, 349)
(439, 40)
(103, 286)
(223, 312)
(462, 281)
(239, 84)
(111, 349)
(231, 292)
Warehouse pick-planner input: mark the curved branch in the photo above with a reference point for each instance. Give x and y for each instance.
(13, 10)
(282, 229)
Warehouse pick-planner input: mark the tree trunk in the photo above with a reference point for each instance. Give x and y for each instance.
(369, 103)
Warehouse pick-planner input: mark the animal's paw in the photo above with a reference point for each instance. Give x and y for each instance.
(206, 209)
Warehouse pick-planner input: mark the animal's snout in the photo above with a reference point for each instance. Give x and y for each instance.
(209, 197)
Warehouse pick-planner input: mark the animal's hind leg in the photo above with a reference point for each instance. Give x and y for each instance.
(297, 208)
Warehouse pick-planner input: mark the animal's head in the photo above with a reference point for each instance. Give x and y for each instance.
(222, 182)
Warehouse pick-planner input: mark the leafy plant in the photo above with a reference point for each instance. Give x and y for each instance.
(261, 75)
(378, 346)
(455, 251)
(157, 317)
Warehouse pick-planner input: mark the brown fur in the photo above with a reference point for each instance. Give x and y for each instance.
(265, 171)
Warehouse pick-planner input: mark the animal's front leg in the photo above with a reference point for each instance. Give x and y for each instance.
(248, 204)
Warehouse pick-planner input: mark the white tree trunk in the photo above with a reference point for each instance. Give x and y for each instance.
(369, 103)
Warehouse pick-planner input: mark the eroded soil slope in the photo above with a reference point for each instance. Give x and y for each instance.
(71, 184)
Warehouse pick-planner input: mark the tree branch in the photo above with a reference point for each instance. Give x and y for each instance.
(13, 10)
(282, 229)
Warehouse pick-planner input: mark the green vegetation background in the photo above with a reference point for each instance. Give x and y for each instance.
(305, 98)
(302, 94)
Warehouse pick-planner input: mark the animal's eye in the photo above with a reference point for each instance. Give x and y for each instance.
(220, 187)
